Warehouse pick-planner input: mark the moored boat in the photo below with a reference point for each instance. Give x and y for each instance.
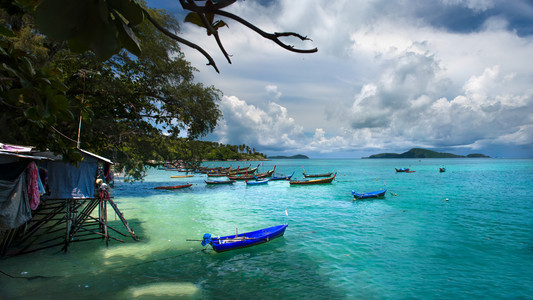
(257, 182)
(402, 169)
(247, 239)
(174, 187)
(282, 177)
(252, 176)
(313, 181)
(317, 175)
(442, 170)
(219, 181)
(375, 194)
(182, 176)
(217, 174)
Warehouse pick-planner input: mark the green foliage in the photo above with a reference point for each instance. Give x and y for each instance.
(126, 103)
(102, 26)
(32, 100)
(196, 19)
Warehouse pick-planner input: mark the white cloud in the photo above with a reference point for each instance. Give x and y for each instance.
(384, 78)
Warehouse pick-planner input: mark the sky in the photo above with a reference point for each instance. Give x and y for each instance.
(447, 75)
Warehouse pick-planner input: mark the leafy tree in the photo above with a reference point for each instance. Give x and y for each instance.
(135, 100)
(106, 26)
(126, 103)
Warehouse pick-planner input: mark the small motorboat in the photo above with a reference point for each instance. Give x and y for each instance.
(442, 170)
(247, 239)
(174, 187)
(376, 194)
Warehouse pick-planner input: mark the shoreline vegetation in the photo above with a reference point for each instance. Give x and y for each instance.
(424, 153)
(297, 156)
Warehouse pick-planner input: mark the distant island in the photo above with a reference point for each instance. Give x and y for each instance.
(297, 156)
(424, 153)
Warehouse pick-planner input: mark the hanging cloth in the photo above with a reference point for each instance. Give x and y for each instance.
(32, 179)
(14, 204)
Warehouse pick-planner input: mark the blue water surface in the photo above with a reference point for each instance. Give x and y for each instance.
(466, 233)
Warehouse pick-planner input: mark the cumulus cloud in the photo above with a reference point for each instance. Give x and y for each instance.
(266, 128)
(450, 73)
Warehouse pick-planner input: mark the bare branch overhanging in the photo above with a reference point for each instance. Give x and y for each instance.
(216, 9)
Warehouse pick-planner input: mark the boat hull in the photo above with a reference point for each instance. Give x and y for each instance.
(259, 182)
(317, 175)
(313, 181)
(249, 239)
(174, 187)
(376, 194)
(219, 181)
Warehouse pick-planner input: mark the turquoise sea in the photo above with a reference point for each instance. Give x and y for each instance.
(463, 234)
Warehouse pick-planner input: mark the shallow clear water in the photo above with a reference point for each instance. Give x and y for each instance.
(413, 244)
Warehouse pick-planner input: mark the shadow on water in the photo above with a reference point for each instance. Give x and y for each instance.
(261, 272)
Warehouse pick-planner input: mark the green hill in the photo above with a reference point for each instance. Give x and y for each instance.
(423, 153)
(297, 156)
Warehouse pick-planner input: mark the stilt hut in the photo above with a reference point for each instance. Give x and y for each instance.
(46, 202)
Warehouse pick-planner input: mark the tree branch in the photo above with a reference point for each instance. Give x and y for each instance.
(216, 9)
(208, 25)
(181, 40)
(270, 36)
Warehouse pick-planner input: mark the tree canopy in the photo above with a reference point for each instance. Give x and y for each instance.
(124, 106)
(106, 26)
(108, 73)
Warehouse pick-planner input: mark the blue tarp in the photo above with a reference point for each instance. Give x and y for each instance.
(69, 181)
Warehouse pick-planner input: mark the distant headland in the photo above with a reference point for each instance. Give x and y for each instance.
(424, 153)
(297, 156)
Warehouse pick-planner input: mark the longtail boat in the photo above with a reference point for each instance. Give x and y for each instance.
(402, 169)
(317, 175)
(252, 176)
(257, 182)
(182, 176)
(442, 170)
(217, 174)
(247, 239)
(243, 171)
(174, 187)
(313, 181)
(219, 181)
(282, 177)
(376, 194)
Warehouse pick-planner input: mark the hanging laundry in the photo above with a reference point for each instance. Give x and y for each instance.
(32, 178)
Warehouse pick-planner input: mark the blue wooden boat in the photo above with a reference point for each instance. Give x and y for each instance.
(376, 194)
(403, 169)
(247, 239)
(257, 182)
(282, 177)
